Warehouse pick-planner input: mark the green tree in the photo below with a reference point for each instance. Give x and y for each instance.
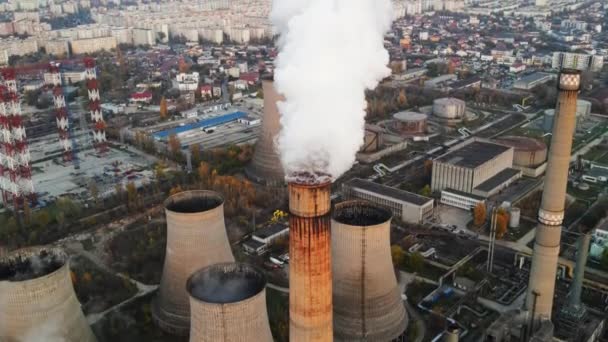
(416, 262)
(260, 94)
(42, 218)
(426, 191)
(398, 255)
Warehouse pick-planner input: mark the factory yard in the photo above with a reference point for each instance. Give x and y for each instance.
(53, 177)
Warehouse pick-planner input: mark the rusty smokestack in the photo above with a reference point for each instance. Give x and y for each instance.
(541, 286)
(310, 279)
(367, 299)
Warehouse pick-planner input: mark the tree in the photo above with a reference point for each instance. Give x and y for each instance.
(416, 262)
(132, 196)
(175, 146)
(402, 99)
(426, 191)
(94, 190)
(195, 152)
(502, 221)
(175, 190)
(479, 214)
(42, 218)
(204, 174)
(260, 94)
(163, 109)
(398, 255)
(183, 66)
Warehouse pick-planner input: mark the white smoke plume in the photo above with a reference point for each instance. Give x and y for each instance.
(330, 52)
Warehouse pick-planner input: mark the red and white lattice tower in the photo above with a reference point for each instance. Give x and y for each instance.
(99, 125)
(61, 112)
(19, 160)
(6, 148)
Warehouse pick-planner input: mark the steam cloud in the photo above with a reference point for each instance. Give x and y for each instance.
(330, 52)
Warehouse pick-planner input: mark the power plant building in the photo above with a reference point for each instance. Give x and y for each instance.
(265, 166)
(37, 294)
(406, 206)
(228, 303)
(475, 165)
(529, 155)
(366, 297)
(196, 238)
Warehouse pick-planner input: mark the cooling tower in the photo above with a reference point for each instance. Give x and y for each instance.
(541, 285)
(265, 166)
(37, 299)
(310, 297)
(367, 300)
(196, 238)
(228, 304)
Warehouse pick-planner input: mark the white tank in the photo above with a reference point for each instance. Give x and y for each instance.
(449, 108)
(514, 217)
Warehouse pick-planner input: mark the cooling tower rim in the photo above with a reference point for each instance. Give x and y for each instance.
(380, 215)
(235, 270)
(184, 196)
(26, 252)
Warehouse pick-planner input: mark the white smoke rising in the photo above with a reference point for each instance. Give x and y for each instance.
(330, 52)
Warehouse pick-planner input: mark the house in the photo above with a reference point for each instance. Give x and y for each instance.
(265, 237)
(206, 90)
(250, 120)
(141, 97)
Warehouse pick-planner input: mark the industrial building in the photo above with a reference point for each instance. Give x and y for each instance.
(264, 237)
(310, 272)
(406, 206)
(531, 81)
(449, 109)
(474, 166)
(460, 199)
(37, 293)
(228, 303)
(265, 166)
(196, 238)
(367, 300)
(529, 154)
(409, 123)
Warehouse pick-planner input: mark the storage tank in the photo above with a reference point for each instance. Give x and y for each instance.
(583, 108)
(548, 120)
(196, 238)
(37, 299)
(528, 152)
(409, 123)
(228, 303)
(367, 299)
(449, 108)
(514, 217)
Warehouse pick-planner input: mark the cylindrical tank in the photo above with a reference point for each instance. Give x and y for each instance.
(37, 299)
(452, 333)
(367, 299)
(196, 238)
(310, 286)
(449, 108)
(409, 123)
(548, 120)
(514, 217)
(528, 152)
(265, 166)
(228, 304)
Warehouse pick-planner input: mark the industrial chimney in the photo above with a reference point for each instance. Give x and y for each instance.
(367, 300)
(541, 285)
(310, 290)
(37, 299)
(196, 238)
(265, 166)
(228, 303)
(582, 253)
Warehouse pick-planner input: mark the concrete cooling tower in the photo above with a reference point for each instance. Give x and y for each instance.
(228, 304)
(367, 299)
(310, 296)
(196, 238)
(265, 166)
(37, 299)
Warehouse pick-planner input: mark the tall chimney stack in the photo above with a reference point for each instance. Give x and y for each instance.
(310, 287)
(541, 287)
(579, 271)
(367, 299)
(265, 166)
